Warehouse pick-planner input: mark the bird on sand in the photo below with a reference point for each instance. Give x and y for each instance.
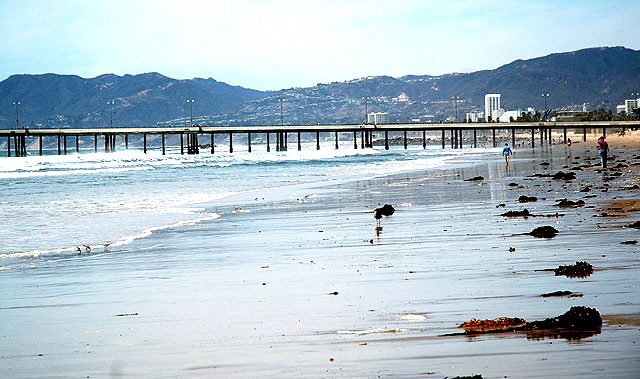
(386, 210)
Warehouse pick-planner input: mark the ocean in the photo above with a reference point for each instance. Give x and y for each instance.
(53, 204)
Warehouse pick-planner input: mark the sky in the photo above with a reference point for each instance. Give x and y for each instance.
(279, 44)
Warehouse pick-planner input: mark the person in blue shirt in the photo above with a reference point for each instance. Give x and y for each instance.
(506, 151)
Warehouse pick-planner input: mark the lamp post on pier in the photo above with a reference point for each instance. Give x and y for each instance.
(110, 103)
(17, 104)
(545, 95)
(455, 100)
(366, 109)
(281, 112)
(190, 102)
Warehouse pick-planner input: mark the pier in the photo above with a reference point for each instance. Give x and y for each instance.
(362, 135)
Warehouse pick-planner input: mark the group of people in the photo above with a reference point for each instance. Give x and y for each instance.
(603, 151)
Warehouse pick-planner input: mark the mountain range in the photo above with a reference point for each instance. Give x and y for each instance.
(596, 77)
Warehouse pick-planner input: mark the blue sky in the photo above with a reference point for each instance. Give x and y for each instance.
(275, 44)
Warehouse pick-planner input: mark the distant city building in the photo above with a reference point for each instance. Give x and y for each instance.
(474, 116)
(491, 103)
(377, 118)
(496, 114)
(427, 118)
(508, 116)
(630, 105)
(402, 98)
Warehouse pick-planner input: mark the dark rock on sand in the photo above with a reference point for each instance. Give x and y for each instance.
(585, 189)
(466, 377)
(576, 319)
(561, 293)
(579, 270)
(527, 199)
(560, 175)
(544, 232)
(565, 203)
(633, 242)
(523, 213)
(512, 184)
(634, 225)
(475, 178)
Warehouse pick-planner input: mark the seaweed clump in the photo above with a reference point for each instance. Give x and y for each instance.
(523, 213)
(561, 293)
(564, 175)
(527, 199)
(566, 203)
(579, 270)
(498, 324)
(578, 322)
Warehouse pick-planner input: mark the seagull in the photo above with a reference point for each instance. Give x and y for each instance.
(386, 210)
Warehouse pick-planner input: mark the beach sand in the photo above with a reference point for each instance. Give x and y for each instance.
(305, 286)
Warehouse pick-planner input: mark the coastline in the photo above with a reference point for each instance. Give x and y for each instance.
(305, 285)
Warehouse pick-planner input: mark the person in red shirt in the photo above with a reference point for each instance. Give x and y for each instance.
(603, 150)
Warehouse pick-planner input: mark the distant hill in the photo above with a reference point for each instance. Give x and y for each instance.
(140, 100)
(600, 77)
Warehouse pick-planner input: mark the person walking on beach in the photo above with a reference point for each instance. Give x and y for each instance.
(569, 145)
(506, 151)
(603, 150)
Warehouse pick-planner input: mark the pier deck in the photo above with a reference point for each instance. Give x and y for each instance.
(454, 131)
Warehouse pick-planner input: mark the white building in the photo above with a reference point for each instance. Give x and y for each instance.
(402, 98)
(506, 116)
(491, 103)
(474, 116)
(377, 118)
(630, 105)
(497, 114)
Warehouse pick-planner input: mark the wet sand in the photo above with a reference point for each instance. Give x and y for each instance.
(305, 286)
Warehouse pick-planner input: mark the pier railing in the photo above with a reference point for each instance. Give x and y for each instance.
(190, 136)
